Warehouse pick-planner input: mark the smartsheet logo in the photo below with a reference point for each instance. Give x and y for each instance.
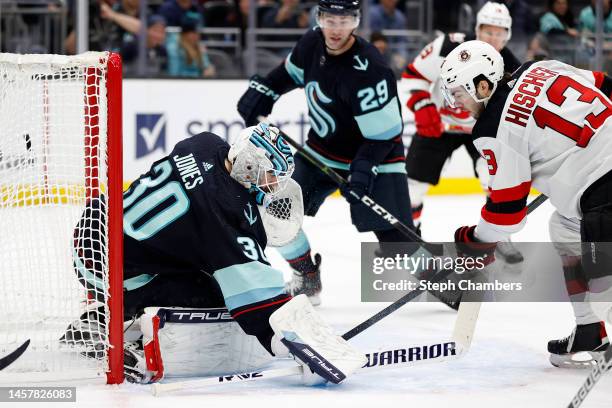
(150, 133)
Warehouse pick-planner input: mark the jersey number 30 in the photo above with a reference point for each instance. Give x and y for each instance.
(161, 206)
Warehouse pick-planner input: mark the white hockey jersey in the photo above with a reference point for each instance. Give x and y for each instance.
(423, 74)
(549, 127)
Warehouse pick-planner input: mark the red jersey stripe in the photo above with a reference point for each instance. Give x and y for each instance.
(503, 219)
(510, 194)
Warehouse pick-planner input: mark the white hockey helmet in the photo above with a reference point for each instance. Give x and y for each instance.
(465, 64)
(261, 161)
(495, 14)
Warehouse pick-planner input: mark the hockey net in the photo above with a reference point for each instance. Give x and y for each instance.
(60, 148)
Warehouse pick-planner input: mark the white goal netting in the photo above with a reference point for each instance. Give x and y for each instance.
(53, 160)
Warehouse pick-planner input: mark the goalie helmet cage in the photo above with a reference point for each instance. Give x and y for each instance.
(60, 150)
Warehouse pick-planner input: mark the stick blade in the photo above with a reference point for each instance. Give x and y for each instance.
(10, 358)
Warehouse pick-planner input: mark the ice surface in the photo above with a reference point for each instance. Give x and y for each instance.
(507, 366)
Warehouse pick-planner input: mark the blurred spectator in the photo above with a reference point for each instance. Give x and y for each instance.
(380, 41)
(587, 19)
(386, 16)
(445, 20)
(288, 14)
(524, 23)
(243, 8)
(187, 56)
(175, 11)
(559, 19)
(538, 48)
(220, 13)
(395, 61)
(157, 57)
(125, 15)
(102, 32)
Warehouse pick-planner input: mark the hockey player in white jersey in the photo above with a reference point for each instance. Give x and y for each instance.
(547, 126)
(441, 129)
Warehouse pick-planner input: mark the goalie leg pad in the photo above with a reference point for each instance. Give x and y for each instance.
(184, 342)
(313, 342)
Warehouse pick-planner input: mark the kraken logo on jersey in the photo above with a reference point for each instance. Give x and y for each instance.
(321, 121)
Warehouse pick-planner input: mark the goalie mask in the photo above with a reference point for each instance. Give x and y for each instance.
(282, 215)
(261, 161)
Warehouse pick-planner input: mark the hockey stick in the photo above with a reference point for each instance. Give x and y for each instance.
(11, 357)
(415, 293)
(365, 199)
(438, 276)
(376, 208)
(604, 364)
(389, 358)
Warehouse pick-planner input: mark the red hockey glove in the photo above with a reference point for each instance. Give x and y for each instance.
(426, 115)
(469, 247)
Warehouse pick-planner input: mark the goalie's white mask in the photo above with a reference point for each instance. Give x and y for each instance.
(263, 163)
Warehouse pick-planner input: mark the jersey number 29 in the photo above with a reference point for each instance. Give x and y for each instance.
(370, 99)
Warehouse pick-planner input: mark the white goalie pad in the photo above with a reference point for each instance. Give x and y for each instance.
(282, 215)
(313, 342)
(186, 342)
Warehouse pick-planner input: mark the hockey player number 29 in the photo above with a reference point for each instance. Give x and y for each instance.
(581, 135)
(369, 100)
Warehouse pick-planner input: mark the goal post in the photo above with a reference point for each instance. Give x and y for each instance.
(60, 153)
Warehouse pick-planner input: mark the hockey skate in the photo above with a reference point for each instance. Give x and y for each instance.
(88, 333)
(581, 349)
(508, 252)
(134, 363)
(307, 283)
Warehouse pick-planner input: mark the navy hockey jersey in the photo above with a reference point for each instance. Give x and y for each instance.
(188, 214)
(352, 101)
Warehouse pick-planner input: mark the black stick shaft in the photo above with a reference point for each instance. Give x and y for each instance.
(14, 355)
(365, 199)
(411, 295)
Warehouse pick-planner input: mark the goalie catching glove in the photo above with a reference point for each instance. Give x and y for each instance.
(313, 344)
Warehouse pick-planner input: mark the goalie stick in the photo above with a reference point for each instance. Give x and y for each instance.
(603, 364)
(11, 357)
(463, 333)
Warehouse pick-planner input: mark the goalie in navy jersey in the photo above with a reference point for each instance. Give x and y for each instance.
(196, 279)
(441, 129)
(356, 129)
(548, 126)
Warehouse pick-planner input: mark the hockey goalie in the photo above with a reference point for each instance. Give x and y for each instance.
(200, 297)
